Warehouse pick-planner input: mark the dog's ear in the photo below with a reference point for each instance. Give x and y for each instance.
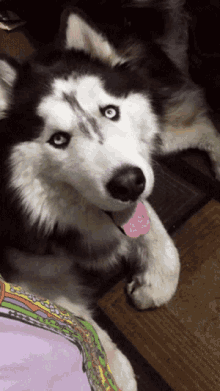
(79, 33)
(8, 75)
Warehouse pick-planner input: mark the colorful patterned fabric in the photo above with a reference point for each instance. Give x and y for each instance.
(20, 306)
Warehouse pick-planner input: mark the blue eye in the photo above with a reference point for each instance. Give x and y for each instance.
(111, 112)
(60, 140)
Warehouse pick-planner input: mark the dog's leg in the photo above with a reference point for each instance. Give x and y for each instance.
(200, 133)
(157, 280)
(120, 366)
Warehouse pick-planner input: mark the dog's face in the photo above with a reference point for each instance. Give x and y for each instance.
(80, 125)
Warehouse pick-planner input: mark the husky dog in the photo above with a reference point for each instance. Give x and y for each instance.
(80, 122)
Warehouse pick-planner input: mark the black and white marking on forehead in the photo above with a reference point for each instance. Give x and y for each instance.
(76, 102)
(80, 113)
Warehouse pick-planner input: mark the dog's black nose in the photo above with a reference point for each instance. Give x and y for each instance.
(127, 184)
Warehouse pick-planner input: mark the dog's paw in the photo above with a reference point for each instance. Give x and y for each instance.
(122, 370)
(157, 285)
(151, 291)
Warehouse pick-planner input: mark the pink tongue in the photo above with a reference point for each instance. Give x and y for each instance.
(139, 223)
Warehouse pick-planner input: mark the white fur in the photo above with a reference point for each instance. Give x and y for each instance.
(7, 77)
(41, 173)
(7, 74)
(187, 125)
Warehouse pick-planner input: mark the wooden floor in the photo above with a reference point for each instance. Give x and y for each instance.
(182, 340)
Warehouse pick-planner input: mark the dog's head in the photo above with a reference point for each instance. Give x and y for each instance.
(78, 124)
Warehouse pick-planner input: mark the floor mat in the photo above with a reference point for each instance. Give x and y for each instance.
(174, 198)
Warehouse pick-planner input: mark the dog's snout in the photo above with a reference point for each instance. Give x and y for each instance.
(127, 184)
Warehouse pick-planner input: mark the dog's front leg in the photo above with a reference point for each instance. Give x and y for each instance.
(157, 280)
